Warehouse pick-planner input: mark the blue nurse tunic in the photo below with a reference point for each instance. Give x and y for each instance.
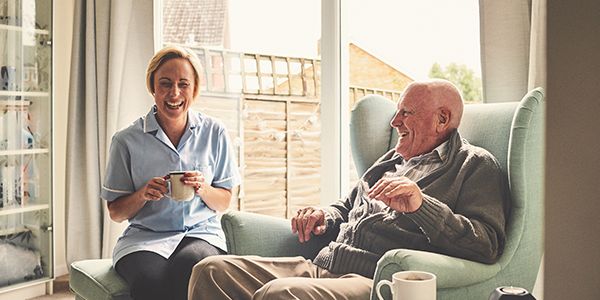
(143, 151)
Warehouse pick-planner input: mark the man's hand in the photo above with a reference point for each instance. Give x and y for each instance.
(399, 193)
(307, 220)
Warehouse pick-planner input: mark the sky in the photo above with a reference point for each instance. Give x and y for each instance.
(410, 35)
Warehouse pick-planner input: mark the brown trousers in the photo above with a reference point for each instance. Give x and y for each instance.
(259, 278)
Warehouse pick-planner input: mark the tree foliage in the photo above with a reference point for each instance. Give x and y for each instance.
(463, 77)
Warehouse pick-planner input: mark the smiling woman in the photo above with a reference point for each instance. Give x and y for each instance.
(167, 236)
(173, 94)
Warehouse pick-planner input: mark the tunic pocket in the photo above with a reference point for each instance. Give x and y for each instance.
(207, 172)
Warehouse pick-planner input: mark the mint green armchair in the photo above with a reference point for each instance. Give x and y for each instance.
(512, 131)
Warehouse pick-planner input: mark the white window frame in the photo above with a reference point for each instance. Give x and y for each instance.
(335, 134)
(158, 24)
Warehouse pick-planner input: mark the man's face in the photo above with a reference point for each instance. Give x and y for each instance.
(415, 122)
(174, 88)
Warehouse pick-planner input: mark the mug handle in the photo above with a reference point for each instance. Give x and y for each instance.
(382, 283)
(168, 194)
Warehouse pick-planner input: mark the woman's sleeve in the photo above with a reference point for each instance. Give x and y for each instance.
(226, 174)
(117, 180)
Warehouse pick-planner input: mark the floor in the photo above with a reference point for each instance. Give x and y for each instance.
(61, 290)
(56, 296)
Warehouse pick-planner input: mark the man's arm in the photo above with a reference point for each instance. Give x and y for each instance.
(475, 229)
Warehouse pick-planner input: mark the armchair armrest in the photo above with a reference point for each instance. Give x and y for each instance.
(254, 234)
(451, 272)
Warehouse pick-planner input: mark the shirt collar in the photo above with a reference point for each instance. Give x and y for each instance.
(440, 152)
(151, 124)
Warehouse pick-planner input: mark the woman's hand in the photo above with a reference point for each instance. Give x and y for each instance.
(216, 198)
(155, 189)
(195, 179)
(308, 220)
(125, 207)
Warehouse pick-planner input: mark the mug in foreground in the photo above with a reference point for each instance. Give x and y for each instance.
(410, 285)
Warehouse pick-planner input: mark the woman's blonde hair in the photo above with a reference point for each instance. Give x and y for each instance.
(168, 53)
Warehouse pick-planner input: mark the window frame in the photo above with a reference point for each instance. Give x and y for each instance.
(335, 133)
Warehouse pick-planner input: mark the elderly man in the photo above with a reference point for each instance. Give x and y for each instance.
(432, 192)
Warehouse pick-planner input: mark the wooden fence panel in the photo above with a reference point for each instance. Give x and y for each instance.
(304, 166)
(265, 170)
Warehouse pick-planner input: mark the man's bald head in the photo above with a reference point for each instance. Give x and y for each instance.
(439, 94)
(428, 112)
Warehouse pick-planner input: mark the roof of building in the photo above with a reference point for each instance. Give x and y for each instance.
(375, 55)
(195, 22)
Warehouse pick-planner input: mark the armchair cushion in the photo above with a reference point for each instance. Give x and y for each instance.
(451, 272)
(96, 279)
(254, 234)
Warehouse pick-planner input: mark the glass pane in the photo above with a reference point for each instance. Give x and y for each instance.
(25, 141)
(25, 51)
(25, 245)
(414, 40)
(261, 78)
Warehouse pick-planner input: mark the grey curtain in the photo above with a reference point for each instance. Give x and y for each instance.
(537, 46)
(112, 43)
(513, 57)
(513, 42)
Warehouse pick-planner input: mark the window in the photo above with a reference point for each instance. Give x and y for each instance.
(263, 68)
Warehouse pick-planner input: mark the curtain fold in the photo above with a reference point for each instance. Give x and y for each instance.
(505, 39)
(513, 48)
(112, 43)
(537, 48)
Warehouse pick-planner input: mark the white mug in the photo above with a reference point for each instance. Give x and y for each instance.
(410, 285)
(177, 190)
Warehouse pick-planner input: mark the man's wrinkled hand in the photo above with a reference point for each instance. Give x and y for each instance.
(399, 193)
(308, 220)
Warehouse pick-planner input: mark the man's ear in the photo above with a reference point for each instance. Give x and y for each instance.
(443, 120)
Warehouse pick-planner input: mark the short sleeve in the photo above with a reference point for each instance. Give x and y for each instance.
(117, 181)
(226, 174)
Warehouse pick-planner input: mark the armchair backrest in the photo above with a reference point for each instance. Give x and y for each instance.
(370, 132)
(513, 133)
